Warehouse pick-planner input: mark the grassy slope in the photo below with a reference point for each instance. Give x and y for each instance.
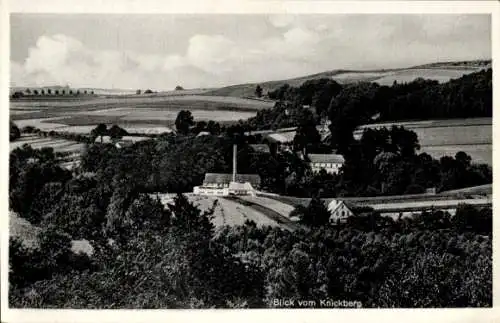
(442, 71)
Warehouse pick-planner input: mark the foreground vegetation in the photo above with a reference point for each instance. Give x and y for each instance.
(149, 258)
(146, 256)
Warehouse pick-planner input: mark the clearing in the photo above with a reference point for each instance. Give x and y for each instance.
(227, 212)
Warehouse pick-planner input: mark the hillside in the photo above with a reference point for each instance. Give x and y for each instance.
(440, 71)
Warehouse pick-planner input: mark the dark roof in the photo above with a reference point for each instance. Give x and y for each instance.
(261, 148)
(219, 178)
(326, 158)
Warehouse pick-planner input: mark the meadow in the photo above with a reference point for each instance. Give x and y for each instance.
(447, 137)
(136, 114)
(226, 212)
(36, 142)
(72, 149)
(441, 73)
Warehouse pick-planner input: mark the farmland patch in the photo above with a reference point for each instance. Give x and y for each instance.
(406, 76)
(226, 212)
(440, 138)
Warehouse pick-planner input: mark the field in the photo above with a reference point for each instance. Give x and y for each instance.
(279, 207)
(405, 76)
(447, 137)
(441, 72)
(36, 142)
(73, 148)
(226, 212)
(137, 114)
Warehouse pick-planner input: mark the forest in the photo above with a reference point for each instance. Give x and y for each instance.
(146, 256)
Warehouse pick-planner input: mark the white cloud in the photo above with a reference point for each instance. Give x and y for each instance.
(299, 46)
(210, 52)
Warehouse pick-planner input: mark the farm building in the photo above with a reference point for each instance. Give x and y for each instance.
(340, 211)
(283, 140)
(331, 163)
(260, 148)
(224, 184)
(125, 141)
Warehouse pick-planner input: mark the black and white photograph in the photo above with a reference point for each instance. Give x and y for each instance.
(250, 161)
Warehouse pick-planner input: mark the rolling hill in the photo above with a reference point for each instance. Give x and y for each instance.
(441, 71)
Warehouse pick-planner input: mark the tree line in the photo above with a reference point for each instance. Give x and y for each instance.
(49, 92)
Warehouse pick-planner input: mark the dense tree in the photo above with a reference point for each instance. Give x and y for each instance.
(316, 214)
(184, 121)
(258, 91)
(99, 131)
(14, 132)
(307, 137)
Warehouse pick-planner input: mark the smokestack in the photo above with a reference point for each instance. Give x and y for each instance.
(234, 162)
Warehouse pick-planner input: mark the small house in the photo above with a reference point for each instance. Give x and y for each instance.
(339, 211)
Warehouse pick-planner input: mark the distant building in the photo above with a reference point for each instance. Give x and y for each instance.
(260, 148)
(331, 163)
(339, 211)
(203, 133)
(224, 184)
(430, 190)
(125, 141)
(283, 140)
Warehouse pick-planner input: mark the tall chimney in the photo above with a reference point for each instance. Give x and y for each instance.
(234, 162)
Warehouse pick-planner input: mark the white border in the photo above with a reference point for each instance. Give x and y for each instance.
(236, 7)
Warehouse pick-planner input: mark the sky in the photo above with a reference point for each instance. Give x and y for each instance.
(208, 50)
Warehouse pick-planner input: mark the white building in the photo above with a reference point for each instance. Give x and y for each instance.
(223, 184)
(331, 163)
(339, 211)
(125, 141)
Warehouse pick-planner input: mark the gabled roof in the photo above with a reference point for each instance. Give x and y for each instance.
(220, 178)
(333, 208)
(261, 148)
(326, 158)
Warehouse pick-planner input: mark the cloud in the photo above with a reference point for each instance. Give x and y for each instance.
(281, 21)
(296, 46)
